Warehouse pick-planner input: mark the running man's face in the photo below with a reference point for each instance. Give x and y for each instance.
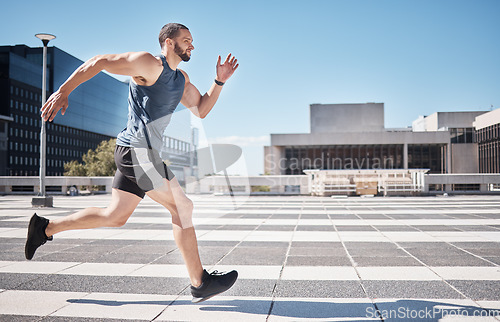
(183, 44)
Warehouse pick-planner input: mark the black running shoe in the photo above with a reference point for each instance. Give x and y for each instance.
(36, 235)
(213, 284)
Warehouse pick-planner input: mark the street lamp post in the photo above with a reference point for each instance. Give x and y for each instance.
(42, 200)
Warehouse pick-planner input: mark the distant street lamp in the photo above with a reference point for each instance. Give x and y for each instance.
(42, 200)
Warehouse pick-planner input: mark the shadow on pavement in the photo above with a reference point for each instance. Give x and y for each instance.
(423, 310)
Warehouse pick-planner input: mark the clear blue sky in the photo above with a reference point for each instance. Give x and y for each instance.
(417, 57)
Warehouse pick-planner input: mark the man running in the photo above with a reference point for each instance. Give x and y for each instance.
(156, 88)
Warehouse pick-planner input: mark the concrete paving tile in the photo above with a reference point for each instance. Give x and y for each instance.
(321, 289)
(493, 252)
(478, 290)
(386, 261)
(202, 243)
(366, 236)
(471, 245)
(410, 289)
(327, 273)
(317, 236)
(436, 227)
(279, 236)
(67, 257)
(160, 270)
(320, 309)
(369, 245)
(91, 233)
(101, 269)
(314, 216)
(264, 244)
(372, 216)
(19, 318)
(276, 228)
(224, 235)
(280, 222)
(314, 222)
(117, 306)
(318, 261)
(16, 256)
(448, 251)
(444, 260)
(476, 228)
(398, 236)
(36, 267)
(211, 255)
(255, 256)
(221, 308)
(146, 249)
(316, 228)
(107, 242)
(495, 259)
(374, 252)
(36, 303)
(427, 245)
(6, 263)
(412, 273)
(395, 228)
(468, 273)
(9, 281)
(129, 258)
(354, 228)
(336, 245)
(317, 251)
(107, 284)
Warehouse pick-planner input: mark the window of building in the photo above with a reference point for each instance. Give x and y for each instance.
(461, 135)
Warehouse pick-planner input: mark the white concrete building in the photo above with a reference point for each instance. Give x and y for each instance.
(353, 137)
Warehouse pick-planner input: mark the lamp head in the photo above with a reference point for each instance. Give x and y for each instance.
(45, 38)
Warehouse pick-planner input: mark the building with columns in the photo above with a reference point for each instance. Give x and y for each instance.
(353, 137)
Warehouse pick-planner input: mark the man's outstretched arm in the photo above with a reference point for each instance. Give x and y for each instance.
(202, 105)
(142, 66)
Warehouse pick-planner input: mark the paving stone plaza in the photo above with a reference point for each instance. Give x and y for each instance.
(298, 258)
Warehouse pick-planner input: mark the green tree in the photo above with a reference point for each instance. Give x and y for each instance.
(96, 163)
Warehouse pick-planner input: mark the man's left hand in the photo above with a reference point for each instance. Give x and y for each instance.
(225, 70)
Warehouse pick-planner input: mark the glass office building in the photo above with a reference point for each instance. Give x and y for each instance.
(97, 111)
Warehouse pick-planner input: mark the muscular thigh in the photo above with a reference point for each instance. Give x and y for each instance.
(171, 196)
(122, 204)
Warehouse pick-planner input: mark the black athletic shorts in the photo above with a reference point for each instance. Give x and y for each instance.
(136, 179)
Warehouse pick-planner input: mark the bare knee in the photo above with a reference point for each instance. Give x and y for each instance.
(116, 218)
(184, 213)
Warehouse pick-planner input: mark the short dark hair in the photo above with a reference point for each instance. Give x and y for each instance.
(170, 30)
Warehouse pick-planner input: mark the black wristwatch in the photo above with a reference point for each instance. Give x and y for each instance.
(218, 83)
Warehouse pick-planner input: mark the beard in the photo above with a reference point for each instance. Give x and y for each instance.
(183, 55)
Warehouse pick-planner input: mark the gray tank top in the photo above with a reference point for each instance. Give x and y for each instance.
(150, 109)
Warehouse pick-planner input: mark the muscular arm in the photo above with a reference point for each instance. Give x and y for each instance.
(142, 66)
(197, 104)
(202, 105)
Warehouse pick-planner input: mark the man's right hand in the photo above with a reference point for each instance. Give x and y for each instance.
(57, 101)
